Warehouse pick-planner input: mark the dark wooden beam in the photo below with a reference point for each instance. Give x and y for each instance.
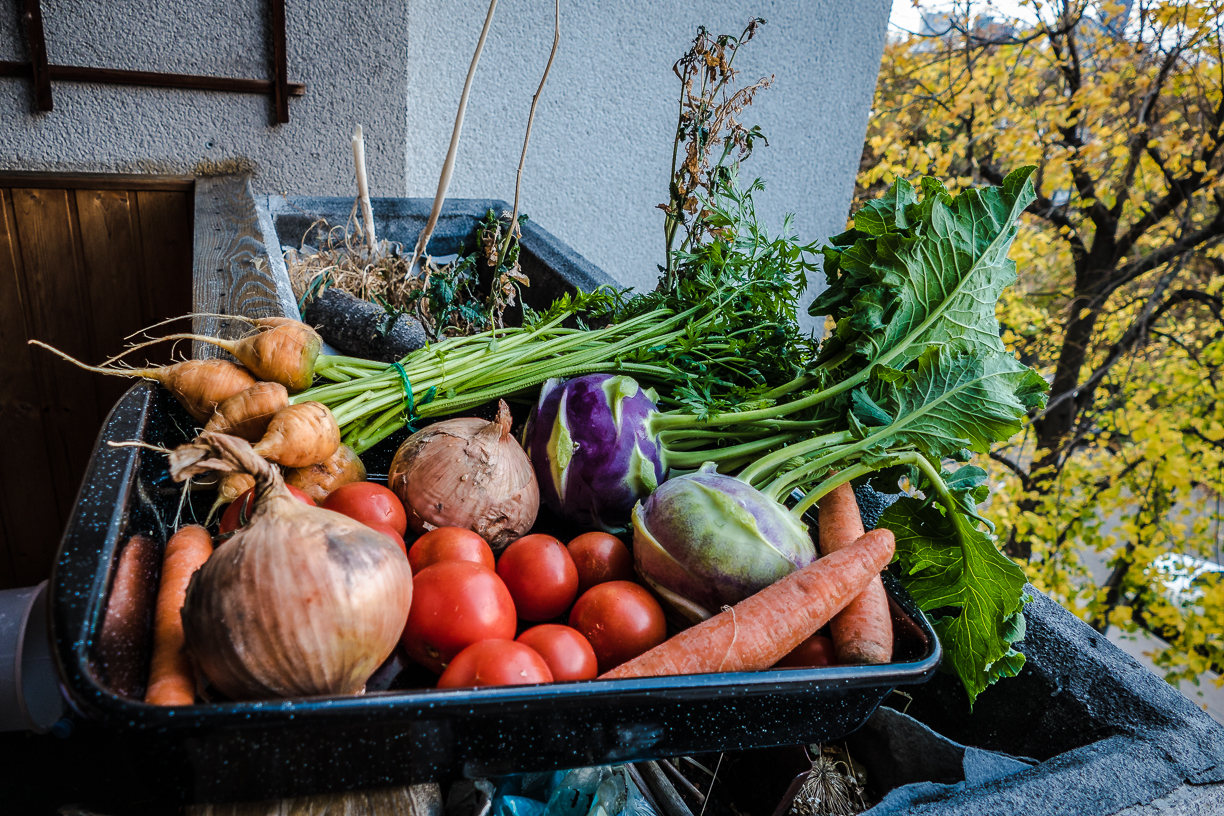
(112, 76)
(32, 16)
(280, 63)
(95, 181)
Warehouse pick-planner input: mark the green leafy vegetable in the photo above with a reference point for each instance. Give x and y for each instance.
(919, 272)
(949, 564)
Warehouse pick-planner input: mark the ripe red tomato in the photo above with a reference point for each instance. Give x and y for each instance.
(815, 651)
(449, 544)
(600, 557)
(568, 654)
(540, 575)
(366, 502)
(495, 663)
(239, 511)
(389, 533)
(621, 620)
(455, 604)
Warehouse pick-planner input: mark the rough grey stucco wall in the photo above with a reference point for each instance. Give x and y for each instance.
(351, 57)
(601, 144)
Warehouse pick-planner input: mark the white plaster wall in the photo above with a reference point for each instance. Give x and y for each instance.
(601, 145)
(600, 149)
(351, 57)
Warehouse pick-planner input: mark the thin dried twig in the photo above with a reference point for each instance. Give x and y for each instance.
(363, 190)
(448, 167)
(518, 179)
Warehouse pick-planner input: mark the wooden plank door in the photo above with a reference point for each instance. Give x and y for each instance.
(85, 261)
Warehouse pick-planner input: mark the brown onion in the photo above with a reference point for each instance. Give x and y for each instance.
(301, 601)
(318, 481)
(468, 473)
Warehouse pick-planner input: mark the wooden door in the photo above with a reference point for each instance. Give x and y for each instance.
(85, 261)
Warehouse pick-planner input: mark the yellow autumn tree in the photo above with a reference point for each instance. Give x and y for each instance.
(1111, 497)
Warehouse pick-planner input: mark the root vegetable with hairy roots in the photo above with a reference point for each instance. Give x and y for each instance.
(247, 415)
(320, 479)
(300, 435)
(199, 385)
(280, 350)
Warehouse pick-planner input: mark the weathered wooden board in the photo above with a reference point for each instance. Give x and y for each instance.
(231, 269)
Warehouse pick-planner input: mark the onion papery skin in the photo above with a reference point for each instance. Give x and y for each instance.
(469, 473)
(705, 540)
(593, 449)
(301, 602)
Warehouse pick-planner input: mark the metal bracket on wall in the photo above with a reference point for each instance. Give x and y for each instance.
(279, 88)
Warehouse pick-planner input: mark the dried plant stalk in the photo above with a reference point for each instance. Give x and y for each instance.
(518, 179)
(363, 189)
(448, 167)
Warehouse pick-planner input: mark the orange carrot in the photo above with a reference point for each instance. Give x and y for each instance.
(171, 680)
(755, 633)
(862, 632)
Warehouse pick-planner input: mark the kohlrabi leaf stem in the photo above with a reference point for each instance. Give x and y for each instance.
(671, 421)
(692, 459)
(767, 464)
(905, 458)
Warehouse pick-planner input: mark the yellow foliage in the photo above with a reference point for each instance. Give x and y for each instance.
(1117, 116)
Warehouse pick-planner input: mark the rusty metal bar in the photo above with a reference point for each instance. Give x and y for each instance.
(32, 17)
(280, 63)
(113, 76)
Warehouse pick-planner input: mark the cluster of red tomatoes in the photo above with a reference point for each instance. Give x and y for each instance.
(468, 607)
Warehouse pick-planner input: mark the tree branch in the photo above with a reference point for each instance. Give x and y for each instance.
(1141, 266)
(1139, 329)
(1042, 207)
(1140, 139)
(1025, 479)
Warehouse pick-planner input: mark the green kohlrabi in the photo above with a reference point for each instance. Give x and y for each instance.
(914, 376)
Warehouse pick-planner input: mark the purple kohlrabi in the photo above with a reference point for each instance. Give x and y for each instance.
(593, 450)
(704, 541)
